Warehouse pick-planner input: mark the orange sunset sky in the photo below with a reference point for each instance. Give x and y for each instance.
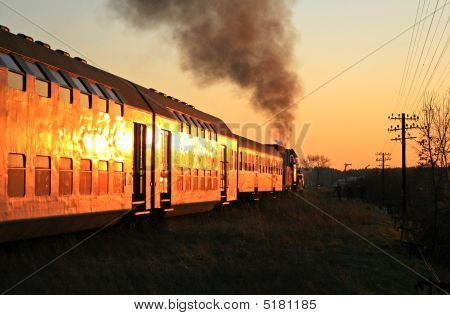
(347, 117)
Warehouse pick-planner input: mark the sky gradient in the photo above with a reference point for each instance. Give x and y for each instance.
(348, 117)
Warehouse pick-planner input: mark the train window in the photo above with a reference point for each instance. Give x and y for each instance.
(65, 176)
(197, 125)
(103, 178)
(119, 178)
(180, 125)
(42, 183)
(42, 84)
(65, 91)
(195, 179)
(187, 124)
(97, 91)
(16, 175)
(85, 177)
(9, 62)
(16, 81)
(112, 95)
(214, 132)
(42, 88)
(80, 85)
(59, 78)
(207, 132)
(36, 71)
(211, 132)
(16, 78)
(180, 179)
(202, 180)
(187, 179)
(85, 100)
(194, 127)
(201, 130)
(102, 105)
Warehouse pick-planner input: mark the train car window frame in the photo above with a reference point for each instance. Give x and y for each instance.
(65, 90)
(202, 129)
(97, 90)
(42, 84)
(197, 126)
(9, 62)
(180, 122)
(119, 178)
(43, 176)
(17, 164)
(194, 127)
(85, 95)
(85, 177)
(111, 95)
(211, 131)
(188, 124)
(16, 76)
(65, 176)
(215, 132)
(103, 171)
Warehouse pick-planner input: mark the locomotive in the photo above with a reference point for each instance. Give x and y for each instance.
(81, 147)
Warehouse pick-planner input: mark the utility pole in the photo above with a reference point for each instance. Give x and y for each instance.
(383, 158)
(403, 128)
(345, 170)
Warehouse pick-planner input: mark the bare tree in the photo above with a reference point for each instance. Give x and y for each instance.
(317, 162)
(434, 142)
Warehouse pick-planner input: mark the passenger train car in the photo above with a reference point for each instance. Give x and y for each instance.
(81, 147)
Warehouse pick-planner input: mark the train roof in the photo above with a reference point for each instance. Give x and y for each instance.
(132, 94)
(175, 104)
(254, 145)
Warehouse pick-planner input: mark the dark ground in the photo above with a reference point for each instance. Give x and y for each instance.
(280, 246)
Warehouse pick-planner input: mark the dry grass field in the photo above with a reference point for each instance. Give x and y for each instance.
(279, 246)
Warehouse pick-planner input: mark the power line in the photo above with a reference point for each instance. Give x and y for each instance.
(428, 52)
(431, 62)
(413, 81)
(50, 34)
(419, 98)
(352, 66)
(407, 55)
(413, 57)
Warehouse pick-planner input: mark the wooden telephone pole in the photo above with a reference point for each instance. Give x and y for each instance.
(383, 158)
(402, 138)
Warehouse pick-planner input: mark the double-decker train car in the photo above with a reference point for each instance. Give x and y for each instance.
(260, 168)
(81, 147)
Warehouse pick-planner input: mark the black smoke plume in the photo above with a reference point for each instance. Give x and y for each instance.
(248, 42)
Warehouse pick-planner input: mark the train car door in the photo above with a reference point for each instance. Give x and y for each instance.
(223, 173)
(139, 165)
(165, 177)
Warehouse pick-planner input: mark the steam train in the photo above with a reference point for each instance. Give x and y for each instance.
(81, 147)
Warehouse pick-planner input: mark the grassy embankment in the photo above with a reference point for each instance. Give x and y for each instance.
(281, 246)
